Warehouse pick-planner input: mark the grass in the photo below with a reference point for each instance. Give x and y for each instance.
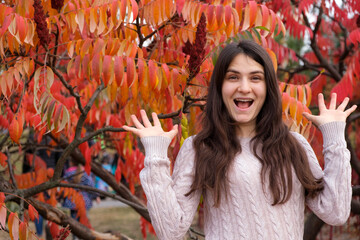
(118, 219)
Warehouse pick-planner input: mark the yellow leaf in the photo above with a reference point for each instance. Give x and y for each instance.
(79, 18)
(50, 77)
(102, 20)
(93, 20)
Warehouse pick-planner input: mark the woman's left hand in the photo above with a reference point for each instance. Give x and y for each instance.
(331, 114)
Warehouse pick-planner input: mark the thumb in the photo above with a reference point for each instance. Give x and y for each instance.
(174, 130)
(308, 116)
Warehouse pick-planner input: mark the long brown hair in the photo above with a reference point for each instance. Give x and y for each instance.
(217, 144)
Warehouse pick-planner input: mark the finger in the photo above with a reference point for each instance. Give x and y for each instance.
(332, 105)
(174, 131)
(131, 129)
(136, 122)
(145, 119)
(321, 102)
(343, 105)
(350, 110)
(156, 119)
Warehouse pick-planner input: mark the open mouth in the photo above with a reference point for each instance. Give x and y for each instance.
(243, 103)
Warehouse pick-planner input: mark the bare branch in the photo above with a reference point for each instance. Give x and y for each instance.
(103, 193)
(67, 85)
(335, 74)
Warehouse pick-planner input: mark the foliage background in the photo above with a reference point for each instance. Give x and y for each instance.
(72, 72)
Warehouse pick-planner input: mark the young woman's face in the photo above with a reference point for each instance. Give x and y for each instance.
(244, 92)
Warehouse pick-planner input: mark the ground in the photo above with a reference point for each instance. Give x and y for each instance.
(114, 217)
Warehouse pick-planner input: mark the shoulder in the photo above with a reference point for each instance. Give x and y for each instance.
(188, 146)
(299, 138)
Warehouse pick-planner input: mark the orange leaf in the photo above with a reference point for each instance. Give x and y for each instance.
(22, 231)
(210, 16)
(16, 128)
(118, 70)
(273, 58)
(96, 66)
(239, 8)
(219, 15)
(21, 27)
(179, 6)
(299, 111)
(123, 9)
(107, 70)
(155, 13)
(265, 15)
(285, 102)
(301, 94)
(3, 162)
(135, 9)
(273, 21)
(130, 71)
(33, 214)
(227, 14)
(50, 172)
(13, 225)
(250, 15)
(293, 107)
(308, 94)
(152, 74)
(141, 74)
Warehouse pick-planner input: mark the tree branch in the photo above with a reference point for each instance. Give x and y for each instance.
(107, 177)
(57, 216)
(67, 86)
(335, 74)
(77, 141)
(103, 193)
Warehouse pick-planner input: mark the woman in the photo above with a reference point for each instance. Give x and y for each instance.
(255, 175)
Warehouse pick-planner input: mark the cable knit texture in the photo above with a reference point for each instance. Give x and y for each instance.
(246, 213)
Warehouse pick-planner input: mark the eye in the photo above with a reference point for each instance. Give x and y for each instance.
(257, 77)
(232, 77)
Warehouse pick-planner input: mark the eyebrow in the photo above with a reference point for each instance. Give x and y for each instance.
(234, 71)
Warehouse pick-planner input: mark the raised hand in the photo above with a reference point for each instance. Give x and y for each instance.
(148, 129)
(331, 114)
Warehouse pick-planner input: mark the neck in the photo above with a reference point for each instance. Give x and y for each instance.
(246, 131)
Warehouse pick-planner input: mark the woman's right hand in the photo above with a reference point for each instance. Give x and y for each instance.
(148, 129)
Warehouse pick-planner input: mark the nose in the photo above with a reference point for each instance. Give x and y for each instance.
(244, 86)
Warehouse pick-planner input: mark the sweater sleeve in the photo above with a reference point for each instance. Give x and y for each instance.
(332, 205)
(170, 210)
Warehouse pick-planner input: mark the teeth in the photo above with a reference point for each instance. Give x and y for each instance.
(242, 100)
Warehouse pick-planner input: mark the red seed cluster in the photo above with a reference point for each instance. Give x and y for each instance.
(57, 4)
(197, 51)
(41, 26)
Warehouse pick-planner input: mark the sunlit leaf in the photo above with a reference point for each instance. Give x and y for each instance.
(16, 128)
(3, 163)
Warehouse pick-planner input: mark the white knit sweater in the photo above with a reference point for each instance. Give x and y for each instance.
(247, 213)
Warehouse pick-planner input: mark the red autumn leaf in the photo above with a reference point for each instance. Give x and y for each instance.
(143, 227)
(3, 159)
(16, 128)
(22, 231)
(3, 212)
(33, 214)
(54, 229)
(2, 197)
(13, 225)
(50, 172)
(118, 173)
